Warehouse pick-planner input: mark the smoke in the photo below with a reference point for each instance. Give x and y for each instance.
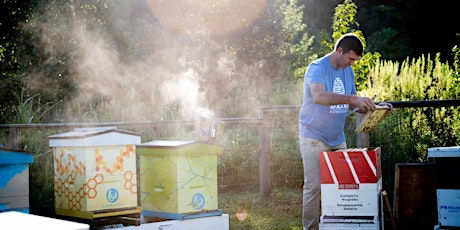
(184, 89)
(129, 53)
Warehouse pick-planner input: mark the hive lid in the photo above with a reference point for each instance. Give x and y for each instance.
(452, 151)
(30, 221)
(8, 156)
(180, 144)
(97, 136)
(87, 132)
(167, 143)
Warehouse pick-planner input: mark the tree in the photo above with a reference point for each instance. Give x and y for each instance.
(11, 80)
(344, 21)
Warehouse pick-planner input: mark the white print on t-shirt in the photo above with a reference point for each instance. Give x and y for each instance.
(340, 89)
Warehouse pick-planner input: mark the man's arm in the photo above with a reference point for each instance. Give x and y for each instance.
(323, 97)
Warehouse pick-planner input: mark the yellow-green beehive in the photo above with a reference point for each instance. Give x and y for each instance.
(177, 177)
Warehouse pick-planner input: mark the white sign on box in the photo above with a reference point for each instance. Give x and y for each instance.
(351, 182)
(448, 207)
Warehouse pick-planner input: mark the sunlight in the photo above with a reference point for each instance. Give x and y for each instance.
(241, 214)
(206, 17)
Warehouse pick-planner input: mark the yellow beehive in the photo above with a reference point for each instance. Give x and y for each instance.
(177, 177)
(94, 171)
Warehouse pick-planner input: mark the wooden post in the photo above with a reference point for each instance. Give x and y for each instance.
(264, 157)
(362, 139)
(12, 141)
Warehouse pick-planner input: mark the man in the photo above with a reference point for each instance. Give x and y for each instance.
(329, 93)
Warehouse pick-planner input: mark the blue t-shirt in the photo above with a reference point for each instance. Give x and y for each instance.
(320, 122)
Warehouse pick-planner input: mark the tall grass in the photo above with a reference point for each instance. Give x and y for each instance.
(30, 109)
(405, 135)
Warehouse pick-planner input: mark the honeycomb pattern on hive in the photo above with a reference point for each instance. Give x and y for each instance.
(118, 166)
(62, 188)
(130, 182)
(65, 164)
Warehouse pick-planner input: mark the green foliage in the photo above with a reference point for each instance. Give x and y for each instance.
(31, 109)
(344, 21)
(420, 79)
(406, 134)
(240, 147)
(297, 43)
(12, 76)
(11, 81)
(284, 147)
(362, 70)
(456, 65)
(379, 40)
(278, 40)
(41, 180)
(49, 48)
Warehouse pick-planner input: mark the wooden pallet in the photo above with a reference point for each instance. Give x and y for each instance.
(100, 219)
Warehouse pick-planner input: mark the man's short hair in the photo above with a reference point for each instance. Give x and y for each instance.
(350, 41)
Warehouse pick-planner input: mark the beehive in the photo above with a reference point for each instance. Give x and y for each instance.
(14, 180)
(177, 177)
(447, 161)
(94, 171)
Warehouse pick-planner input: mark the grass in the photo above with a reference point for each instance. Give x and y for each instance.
(282, 209)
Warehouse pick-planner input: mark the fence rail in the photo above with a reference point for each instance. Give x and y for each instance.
(262, 122)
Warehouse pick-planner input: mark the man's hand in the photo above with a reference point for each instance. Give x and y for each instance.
(389, 106)
(364, 104)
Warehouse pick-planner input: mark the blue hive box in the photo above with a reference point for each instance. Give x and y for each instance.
(14, 180)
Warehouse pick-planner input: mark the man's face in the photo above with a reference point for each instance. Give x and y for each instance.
(347, 59)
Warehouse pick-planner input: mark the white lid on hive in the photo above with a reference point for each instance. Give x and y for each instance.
(98, 136)
(452, 151)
